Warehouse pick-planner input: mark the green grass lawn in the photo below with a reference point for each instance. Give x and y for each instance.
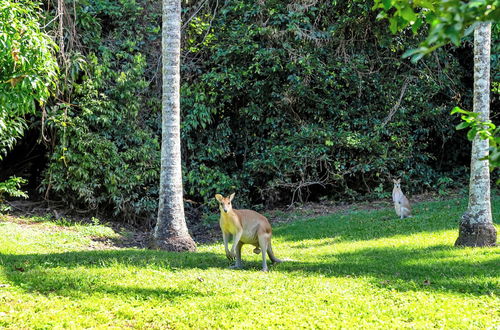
(357, 269)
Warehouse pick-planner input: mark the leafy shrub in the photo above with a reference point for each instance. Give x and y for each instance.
(280, 102)
(28, 67)
(11, 187)
(299, 100)
(105, 157)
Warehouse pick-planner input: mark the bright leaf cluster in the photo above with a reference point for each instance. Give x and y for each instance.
(28, 67)
(448, 20)
(486, 131)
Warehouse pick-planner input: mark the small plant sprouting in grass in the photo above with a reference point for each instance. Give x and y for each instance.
(95, 221)
(40, 219)
(64, 222)
(96, 229)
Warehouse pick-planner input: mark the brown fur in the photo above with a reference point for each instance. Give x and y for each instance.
(246, 227)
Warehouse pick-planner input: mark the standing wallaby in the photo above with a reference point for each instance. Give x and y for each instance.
(246, 227)
(401, 203)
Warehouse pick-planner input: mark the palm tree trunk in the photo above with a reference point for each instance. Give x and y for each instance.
(171, 232)
(476, 227)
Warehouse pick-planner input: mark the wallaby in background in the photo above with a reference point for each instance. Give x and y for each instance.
(246, 227)
(401, 203)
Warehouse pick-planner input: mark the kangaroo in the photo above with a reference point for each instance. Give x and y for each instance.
(246, 227)
(401, 203)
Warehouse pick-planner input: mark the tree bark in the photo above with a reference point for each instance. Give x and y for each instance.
(171, 231)
(476, 227)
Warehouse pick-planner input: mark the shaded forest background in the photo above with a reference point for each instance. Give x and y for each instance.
(281, 101)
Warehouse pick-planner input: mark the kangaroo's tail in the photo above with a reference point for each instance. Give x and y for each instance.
(270, 253)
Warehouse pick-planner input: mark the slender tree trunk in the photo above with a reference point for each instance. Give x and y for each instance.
(476, 227)
(171, 232)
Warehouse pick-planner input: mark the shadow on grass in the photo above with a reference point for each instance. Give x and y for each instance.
(48, 273)
(436, 268)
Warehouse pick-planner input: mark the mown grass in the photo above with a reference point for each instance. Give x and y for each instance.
(351, 270)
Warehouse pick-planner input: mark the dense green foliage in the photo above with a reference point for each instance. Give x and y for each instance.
(28, 68)
(352, 270)
(448, 21)
(308, 97)
(280, 102)
(108, 148)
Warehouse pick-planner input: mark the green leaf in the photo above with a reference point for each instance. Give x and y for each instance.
(470, 29)
(462, 125)
(411, 52)
(408, 14)
(459, 110)
(417, 57)
(381, 15)
(454, 37)
(387, 4)
(393, 26)
(471, 134)
(416, 26)
(424, 4)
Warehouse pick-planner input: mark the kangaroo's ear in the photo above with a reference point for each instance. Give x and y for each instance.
(394, 181)
(231, 197)
(219, 197)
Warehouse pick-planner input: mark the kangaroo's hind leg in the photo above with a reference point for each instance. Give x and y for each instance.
(405, 213)
(263, 242)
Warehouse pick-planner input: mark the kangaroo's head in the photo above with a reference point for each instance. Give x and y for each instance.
(397, 183)
(225, 202)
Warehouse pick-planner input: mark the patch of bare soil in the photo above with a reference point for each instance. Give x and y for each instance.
(313, 210)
